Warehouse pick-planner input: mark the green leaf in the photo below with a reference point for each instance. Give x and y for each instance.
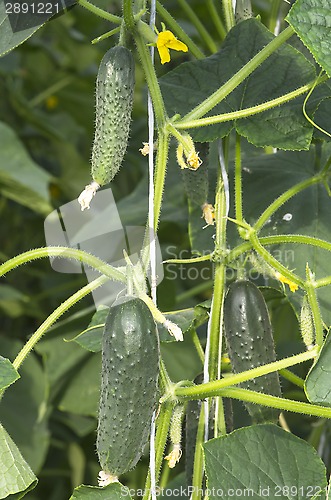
(90, 339)
(71, 355)
(8, 374)
(12, 301)
(16, 475)
(285, 70)
(9, 39)
(23, 409)
(82, 394)
(312, 20)
(115, 491)
(318, 381)
(185, 319)
(263, 461)
(21, 179)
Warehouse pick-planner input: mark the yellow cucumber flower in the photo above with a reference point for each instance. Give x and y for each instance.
(293, 286)
(165, 41)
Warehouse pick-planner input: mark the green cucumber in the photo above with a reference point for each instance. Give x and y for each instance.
(114, 99)
(250, 343)
(129, 390)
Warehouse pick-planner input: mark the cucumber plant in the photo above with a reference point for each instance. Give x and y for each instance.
(239, 131)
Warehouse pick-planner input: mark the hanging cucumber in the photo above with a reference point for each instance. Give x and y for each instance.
(250, 342)
(114, 100)
(130, 367)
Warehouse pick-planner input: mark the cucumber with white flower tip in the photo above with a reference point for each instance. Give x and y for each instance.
(114, 100)
(129, 385)
(250, 342)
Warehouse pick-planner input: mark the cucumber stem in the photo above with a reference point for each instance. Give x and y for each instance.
(163, 424)
(99, 12)
(206, 390)
(220, 94)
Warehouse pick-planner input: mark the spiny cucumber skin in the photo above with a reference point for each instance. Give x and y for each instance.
(250, 343)
(129, 389)
(114, 100)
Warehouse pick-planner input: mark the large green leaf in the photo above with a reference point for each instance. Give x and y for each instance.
(21, 179)
(8, 374)
(23, 409)
(263, 461)
(318, 381)
(311, 20)
(286, 69)
(16, 477)
(115, 491)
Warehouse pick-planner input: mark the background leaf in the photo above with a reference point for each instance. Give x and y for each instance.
(21, 179)
(16, 475)
(10, 39)
(90, 339)
(23, 407)
(312, 20)
(265, 460)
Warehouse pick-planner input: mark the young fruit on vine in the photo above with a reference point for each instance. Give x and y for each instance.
(129, 385)
(250, 343)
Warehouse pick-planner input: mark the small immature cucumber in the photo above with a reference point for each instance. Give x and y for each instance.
(130, 367)
(250, 342)
(114, 98)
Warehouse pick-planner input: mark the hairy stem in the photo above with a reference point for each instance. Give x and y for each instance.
(287, 195)
(76, 297)
(65, 252)
(244, 113)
